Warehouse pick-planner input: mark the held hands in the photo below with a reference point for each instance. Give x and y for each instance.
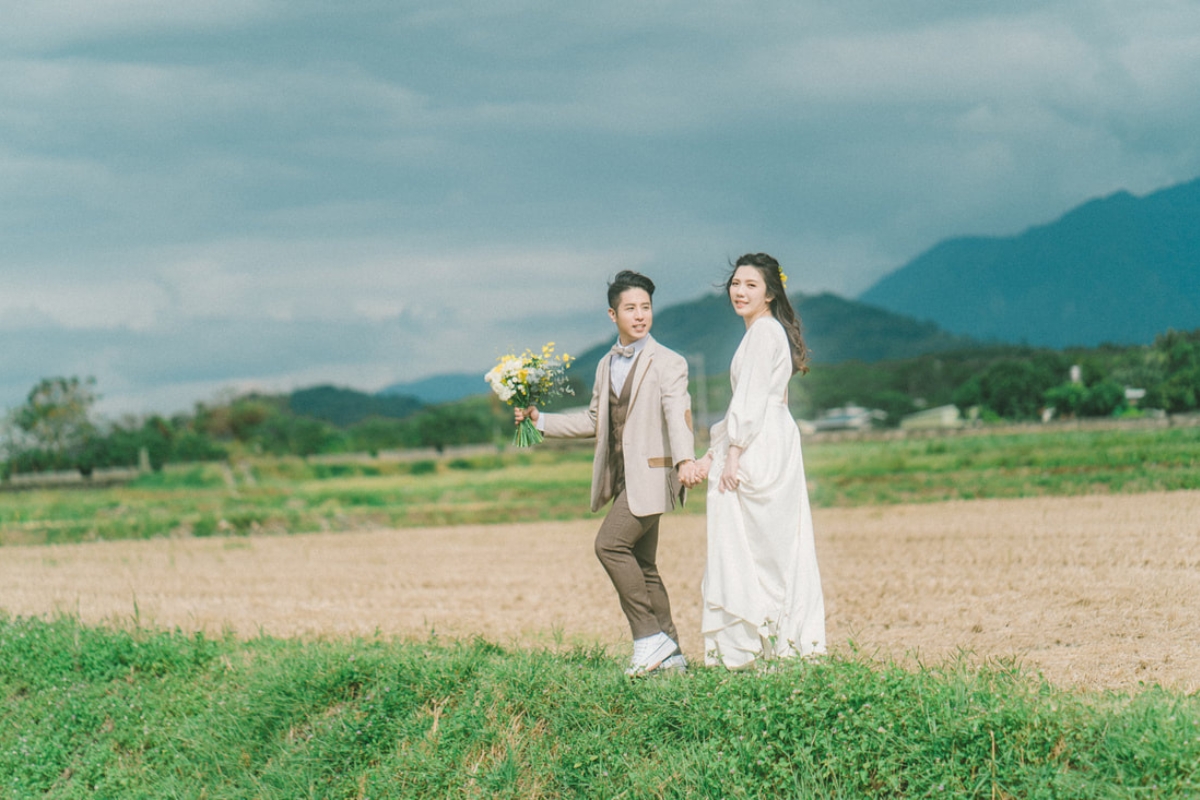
(687, 474)
(520, 414)
(693, 473)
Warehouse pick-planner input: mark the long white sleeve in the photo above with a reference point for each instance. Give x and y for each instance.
(763, 352)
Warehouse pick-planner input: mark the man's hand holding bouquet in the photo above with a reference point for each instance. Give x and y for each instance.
(530, 380)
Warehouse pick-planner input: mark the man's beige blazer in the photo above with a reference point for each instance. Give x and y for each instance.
(658, 430)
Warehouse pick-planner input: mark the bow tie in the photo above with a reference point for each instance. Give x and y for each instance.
(625, 352)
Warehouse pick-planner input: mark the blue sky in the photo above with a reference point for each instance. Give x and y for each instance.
(206, 196)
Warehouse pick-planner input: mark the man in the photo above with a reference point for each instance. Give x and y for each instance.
(641, 416)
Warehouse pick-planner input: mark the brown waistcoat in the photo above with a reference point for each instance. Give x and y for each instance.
(618, 411)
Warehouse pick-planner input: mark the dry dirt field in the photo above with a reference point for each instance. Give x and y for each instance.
(1095, 592)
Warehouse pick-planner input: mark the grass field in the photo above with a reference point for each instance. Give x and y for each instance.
(294, 496)
(124, 710)
(139, 714)
(1100, 592)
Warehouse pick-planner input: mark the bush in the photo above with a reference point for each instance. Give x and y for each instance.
(197, 477)
(347, 469)
(205, 526)
(1103, 399)
(1066, 398)
(478, 462)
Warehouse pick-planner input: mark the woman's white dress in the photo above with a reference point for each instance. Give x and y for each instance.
(762, 589)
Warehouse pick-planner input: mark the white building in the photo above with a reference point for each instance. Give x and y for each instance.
(940, 417)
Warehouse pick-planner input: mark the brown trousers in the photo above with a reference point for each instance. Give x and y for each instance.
(627, 546)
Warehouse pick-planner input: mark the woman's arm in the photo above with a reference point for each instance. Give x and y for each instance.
(729, 479)
(748, 407)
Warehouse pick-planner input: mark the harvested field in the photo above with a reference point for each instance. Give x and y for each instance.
(1100, 591)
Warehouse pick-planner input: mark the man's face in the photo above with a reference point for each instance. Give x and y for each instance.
(633, 315)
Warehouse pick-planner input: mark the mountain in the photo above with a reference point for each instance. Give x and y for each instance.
(835, 329)
(1120, 270)
(439, 388)
(343, 407)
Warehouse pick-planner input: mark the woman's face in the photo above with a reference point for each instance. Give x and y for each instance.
(748, 293)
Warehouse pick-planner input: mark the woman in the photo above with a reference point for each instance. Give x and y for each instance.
(762, 589)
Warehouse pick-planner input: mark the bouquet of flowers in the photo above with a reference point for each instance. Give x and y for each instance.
(530, 379)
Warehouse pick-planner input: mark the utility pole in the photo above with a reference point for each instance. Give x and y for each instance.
(700, 418)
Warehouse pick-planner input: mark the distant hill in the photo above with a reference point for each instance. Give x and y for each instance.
(836, 330)
(343, 407)
(1120, 270)
(439, 388)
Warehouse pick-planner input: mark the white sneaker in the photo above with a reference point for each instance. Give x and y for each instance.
(650, 652)
(676, 663)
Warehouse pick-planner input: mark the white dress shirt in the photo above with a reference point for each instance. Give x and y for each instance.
(619, 366)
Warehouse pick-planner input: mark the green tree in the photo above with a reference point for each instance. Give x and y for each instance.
(893, 403)
(302, 436)
(1014, 388)
(1180, 389)
(1103, 399)
(248, 414)
(969, 394)
(54, 425)
(455, 423)
(164, 440)
(1066, 398)
(376, 433)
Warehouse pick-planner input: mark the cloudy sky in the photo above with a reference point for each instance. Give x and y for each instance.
(211, 195)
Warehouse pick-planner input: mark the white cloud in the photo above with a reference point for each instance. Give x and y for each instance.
(375, 193)
(319, 280)
(80, 304)
(357, 279)
(57, 23)
(63, 101)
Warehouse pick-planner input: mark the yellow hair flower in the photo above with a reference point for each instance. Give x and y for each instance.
(783, 278)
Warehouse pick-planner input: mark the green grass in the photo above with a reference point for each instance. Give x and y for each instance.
(136, 713)
(1026, 464)
(294, 496)
(99, 712)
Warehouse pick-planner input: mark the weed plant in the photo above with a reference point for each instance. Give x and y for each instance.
(101, 712)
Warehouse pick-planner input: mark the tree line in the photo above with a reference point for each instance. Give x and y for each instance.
(56, 428)
(1008, 382)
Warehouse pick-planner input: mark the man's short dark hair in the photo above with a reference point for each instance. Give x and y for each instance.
(627, 279)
